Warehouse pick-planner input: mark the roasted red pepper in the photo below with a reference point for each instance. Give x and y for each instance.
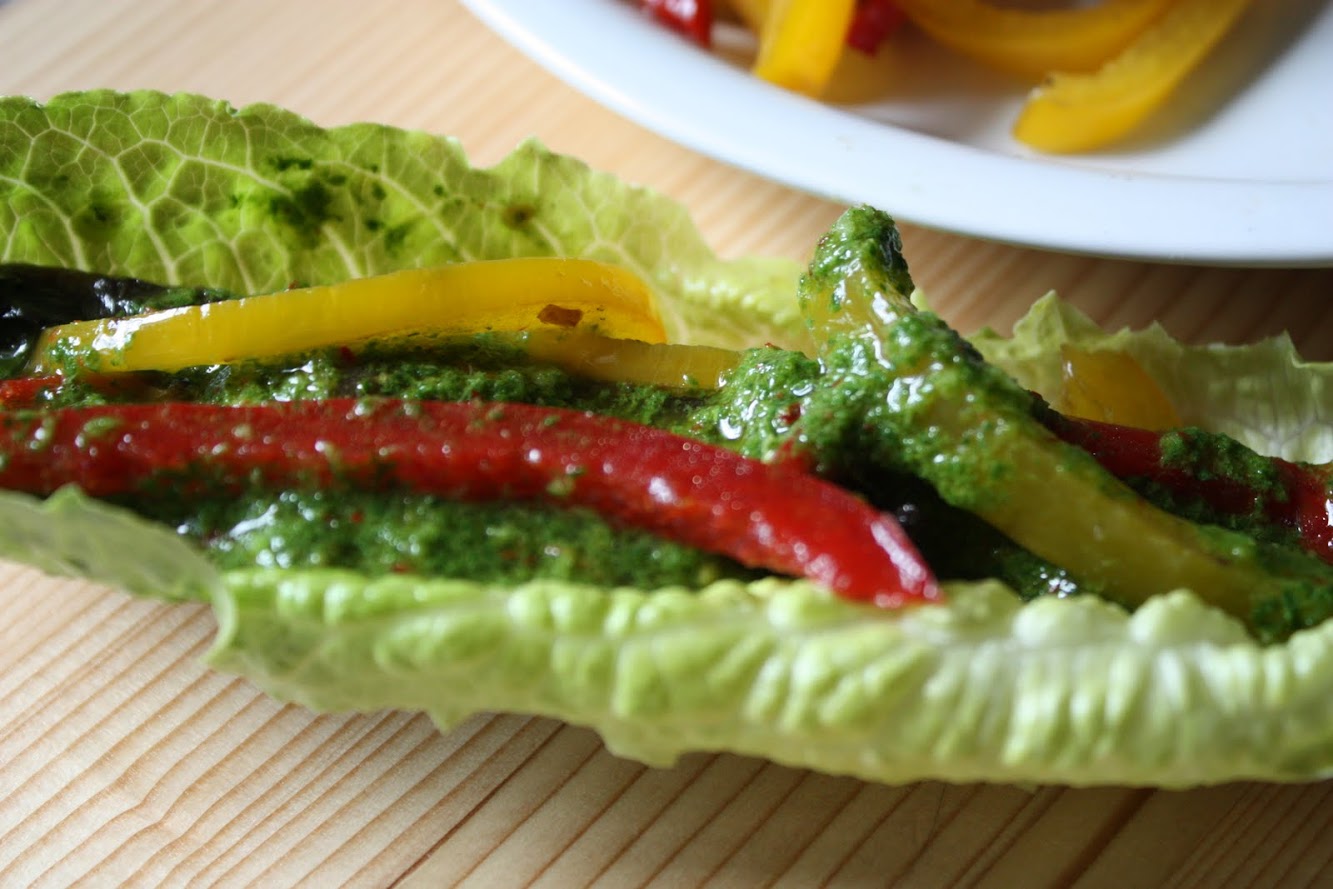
(22, 392)
(761, 515)
(693, 18)
(1296, 497)
(873, 22)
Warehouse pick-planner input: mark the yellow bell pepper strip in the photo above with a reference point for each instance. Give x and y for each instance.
(751, 12)
(467, 297)
(929, 404)
(588, 355)
(1035, 42)
(670, 366)
(873, 21)
(1112, 387)
(1082, 112)
(1197, 466)
(801, 41)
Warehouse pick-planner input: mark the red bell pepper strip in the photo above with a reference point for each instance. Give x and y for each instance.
(708, 497)
(693, 18)
(873, 22)
(21, 392)
(1298, 497)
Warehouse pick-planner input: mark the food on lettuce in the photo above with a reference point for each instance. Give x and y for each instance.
(633, 475)
(1112, 387)
(1101, 69)
(1086, 629)
(1225, 481)
(531, 292)
(922, 402)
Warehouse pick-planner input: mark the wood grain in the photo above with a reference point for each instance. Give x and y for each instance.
(125, 762)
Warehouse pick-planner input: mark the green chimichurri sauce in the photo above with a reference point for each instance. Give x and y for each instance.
(770, 392)
(497, 542)
(867, 431)
(503, 543)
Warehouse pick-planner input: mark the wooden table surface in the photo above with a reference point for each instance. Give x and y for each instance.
(124, 762)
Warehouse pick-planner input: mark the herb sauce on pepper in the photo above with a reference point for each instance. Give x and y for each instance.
(770, 409)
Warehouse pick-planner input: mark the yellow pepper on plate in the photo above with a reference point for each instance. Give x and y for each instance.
(467, 297)
(801, 41)
(1081, 112)
(1035, 42)
(751, 12)
(1106, 66)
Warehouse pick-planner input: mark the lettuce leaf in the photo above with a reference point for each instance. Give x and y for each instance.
(71, 535)
(184, 189)
(1068, 690)
(181, 189)
(1261, 394)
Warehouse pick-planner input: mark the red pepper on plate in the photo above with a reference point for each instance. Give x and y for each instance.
(693, 18)
(873, 22)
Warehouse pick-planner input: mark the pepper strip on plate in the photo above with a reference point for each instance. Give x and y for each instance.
(1035, 42)
(466, 297)
(1080, 112)
(874, 22)
(801, 41)
(763, 516)
(693, 18)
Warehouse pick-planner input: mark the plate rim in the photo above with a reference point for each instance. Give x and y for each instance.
(937, 183)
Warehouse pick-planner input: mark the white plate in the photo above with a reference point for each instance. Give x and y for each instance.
(1238, 171)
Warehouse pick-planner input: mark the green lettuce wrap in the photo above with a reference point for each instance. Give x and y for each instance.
(183, 189)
